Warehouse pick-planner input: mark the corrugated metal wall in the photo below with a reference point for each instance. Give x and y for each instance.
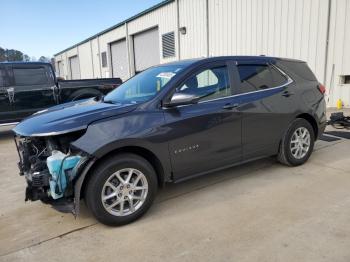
(85, 60)
(286, 28)
(192, 15)
(339, 53)
(295, 29)
(95, 58)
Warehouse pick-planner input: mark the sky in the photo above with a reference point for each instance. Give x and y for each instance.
(45, 27)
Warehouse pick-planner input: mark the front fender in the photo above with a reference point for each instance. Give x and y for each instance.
(135, 129)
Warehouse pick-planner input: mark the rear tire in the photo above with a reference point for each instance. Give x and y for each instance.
(121, 189)
(297, 143)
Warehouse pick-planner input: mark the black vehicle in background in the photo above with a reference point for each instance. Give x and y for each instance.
(28, 87)
(167, 124)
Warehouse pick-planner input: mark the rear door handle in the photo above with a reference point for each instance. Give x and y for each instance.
(230, 106)
(287, 94)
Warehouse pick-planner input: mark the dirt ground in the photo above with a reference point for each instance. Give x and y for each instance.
(261, 211)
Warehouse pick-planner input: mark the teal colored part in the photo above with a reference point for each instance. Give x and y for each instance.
(54, 164)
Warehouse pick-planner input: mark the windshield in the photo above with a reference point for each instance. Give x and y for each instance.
(143, 86)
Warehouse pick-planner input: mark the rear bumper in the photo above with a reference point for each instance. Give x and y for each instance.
(321, 129)
(321, 117)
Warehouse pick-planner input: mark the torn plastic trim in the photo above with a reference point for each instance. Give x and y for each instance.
(79, 183)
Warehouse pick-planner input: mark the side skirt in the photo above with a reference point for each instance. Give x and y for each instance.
(218, 169)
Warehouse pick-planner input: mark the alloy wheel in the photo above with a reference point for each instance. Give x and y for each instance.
(300, 142)
(124, 192)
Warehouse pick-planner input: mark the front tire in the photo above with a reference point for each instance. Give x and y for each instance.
(297, 143)
(121, 189)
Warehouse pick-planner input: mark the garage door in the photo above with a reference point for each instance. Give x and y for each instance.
(146, 49)
(74, 67)
(60, 69)
(119, 54)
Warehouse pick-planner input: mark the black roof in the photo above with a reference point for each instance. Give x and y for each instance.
(187, 62)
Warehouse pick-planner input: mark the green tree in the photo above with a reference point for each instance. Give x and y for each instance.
(44, 59)
(26, 58)
(2, 54)
(13, 55)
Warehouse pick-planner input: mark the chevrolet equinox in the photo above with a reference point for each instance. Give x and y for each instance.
(166, 124)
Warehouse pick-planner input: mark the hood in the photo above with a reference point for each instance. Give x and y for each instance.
(69, 117)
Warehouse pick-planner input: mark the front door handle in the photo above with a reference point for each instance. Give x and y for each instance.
(287, 94)
(230, 106)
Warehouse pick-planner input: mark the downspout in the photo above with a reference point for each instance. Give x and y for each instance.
(327, 42)
(178, 29)
(79, 62)
(99, 55)
(92, 60)
(129, 48)
(207, 24)
(67, 67)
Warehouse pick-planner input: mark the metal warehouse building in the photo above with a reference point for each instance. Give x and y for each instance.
(317, 31)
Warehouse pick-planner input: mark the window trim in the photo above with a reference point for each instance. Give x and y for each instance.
(104, 54)
(289, 81)
(229, 64)
(344, 79)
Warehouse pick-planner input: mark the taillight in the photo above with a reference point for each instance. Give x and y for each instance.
(321, 88)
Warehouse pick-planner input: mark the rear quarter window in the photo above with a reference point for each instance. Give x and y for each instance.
(301, 69)
(30, 76)
(259, 77)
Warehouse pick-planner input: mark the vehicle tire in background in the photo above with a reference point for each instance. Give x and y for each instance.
(297, 143)
(121, 189)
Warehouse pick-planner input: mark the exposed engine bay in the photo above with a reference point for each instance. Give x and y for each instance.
(50, 166)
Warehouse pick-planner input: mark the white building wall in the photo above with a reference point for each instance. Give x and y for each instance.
(294, 29)
(192, 15)
(164, 18)
(95, 58)
(285, 28)
(60, 58)
(339, 53)
(104, 42)
(85, 60)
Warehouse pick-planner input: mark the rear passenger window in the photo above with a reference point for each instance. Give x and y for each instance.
(4, 81)
(30, 76)
(259, 77)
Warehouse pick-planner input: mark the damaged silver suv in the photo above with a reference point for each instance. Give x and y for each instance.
(167, 124)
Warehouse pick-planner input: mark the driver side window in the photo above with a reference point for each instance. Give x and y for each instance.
(208, 84)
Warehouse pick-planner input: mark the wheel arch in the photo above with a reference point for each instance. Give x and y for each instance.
(137, 150)
(312, 122)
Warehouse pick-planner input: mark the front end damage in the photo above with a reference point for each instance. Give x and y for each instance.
(51, 167)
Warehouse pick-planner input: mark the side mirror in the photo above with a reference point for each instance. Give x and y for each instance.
(179, 99)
